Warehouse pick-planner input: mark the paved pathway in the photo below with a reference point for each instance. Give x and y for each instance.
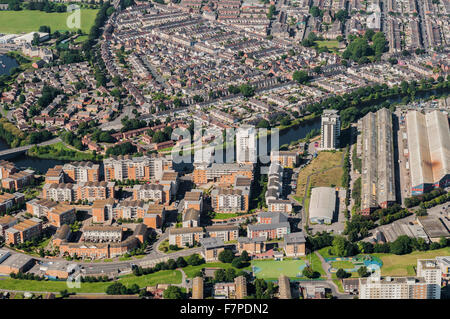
(334, 288)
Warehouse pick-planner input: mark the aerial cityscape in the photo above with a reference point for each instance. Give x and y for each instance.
(224, 149)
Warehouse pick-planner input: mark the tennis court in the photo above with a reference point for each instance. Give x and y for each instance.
(271, 269)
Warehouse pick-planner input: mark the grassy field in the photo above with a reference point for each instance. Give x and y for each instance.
(338, 283)
(165, 244)
(342, 264)
(328, 43)
(28, 21)
(404, 265)
(315, 263)
(80, 39)
(62, 152)
(162, 277)
(271, 269)
(224, 215)
(323, 161)
(397, 265)
(191, 270)
(328, 178)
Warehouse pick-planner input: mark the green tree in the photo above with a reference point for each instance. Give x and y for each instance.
(195, 260)
(173, 292)
(362, 271)
(309, 272)
(341, 274)
(181, 262)
(401, 246)
(300, 76)
(226, 256)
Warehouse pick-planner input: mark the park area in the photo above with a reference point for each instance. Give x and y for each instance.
(352, 264)
(405, 265)
(324, 174)
(330, 44)
(30, 20)
(271, 269)
(160, 277)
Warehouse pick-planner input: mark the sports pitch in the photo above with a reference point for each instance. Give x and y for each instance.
(29, 21)
(271, 269)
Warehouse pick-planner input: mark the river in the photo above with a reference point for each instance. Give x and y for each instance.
(286, 137)
(6, 64)
(42, 165)
(24, 161)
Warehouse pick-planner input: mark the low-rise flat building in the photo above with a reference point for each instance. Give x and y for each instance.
(225, 232)
(183, 237)
(294, 244)
(252, 246)
(23, 231)
(285, 158)
(212, 247)
(191, 218)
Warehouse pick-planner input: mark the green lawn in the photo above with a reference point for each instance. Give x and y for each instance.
(165, 243)
(28, 21)
(80, 39)
(224, 215)
(338, 283)
(397, 265)
(191, 270)
(60, 151)
(404, 265)
(315, 263)
(161, 277)
(328, 43)
(342, 264)
(271, 269)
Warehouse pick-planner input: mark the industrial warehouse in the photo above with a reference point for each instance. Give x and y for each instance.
(322, 205)
(429, 149)
(375, 147)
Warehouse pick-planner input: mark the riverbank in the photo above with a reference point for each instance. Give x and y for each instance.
(60, 151)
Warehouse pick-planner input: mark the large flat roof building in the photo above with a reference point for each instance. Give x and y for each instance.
(322, 205)
(377, 156)
(429, 150)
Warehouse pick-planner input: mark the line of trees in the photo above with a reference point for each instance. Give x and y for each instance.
(427, 197)
(171, 264)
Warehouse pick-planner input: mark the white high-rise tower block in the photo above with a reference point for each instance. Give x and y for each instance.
(330, 130)
(246, 144)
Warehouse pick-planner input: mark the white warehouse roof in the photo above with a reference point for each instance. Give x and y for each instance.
(322, 204)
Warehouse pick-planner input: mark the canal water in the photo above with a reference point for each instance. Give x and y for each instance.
(6, 64)
(285, 137)
(23, 161)
(41, 166)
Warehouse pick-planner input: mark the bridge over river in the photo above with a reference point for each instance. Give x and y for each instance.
(11, 152)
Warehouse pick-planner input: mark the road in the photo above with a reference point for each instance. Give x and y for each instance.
(116, 124)
(334, 288)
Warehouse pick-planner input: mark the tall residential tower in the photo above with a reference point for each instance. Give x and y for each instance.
(330, 130)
